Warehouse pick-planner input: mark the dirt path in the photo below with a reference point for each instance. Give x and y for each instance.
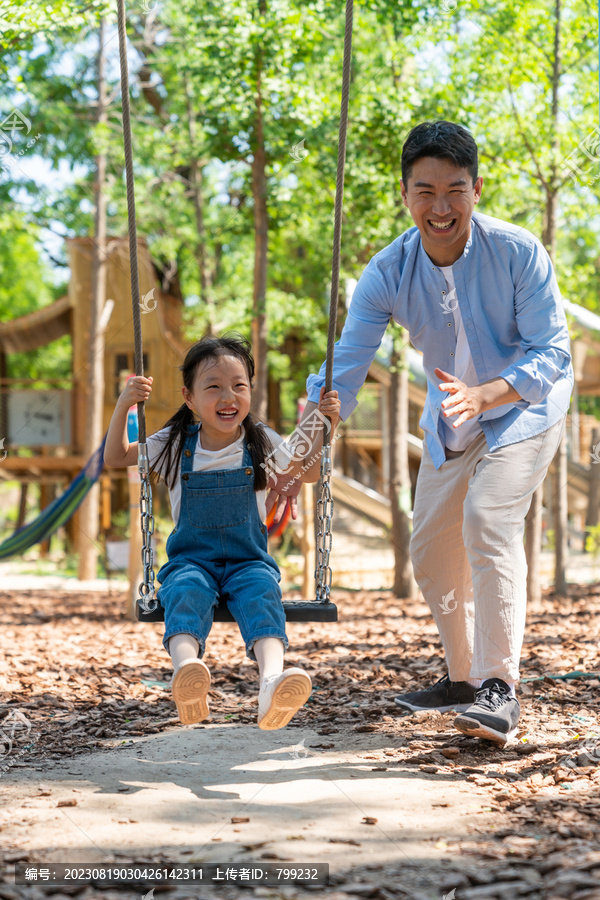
(99, 769)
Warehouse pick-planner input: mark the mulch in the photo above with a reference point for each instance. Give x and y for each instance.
(83, 677)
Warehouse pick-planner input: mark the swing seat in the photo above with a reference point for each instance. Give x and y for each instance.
(295, 611)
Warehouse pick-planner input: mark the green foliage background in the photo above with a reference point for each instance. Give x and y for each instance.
(488, 67)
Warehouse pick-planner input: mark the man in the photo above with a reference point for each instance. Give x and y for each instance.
(479, 298)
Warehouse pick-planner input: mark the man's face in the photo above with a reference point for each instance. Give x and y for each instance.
(441, 199)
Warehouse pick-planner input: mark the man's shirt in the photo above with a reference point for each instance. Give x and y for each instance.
(464, 368)
(513, 318)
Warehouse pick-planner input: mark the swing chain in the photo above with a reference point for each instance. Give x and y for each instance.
(324, 537)
(147, 600)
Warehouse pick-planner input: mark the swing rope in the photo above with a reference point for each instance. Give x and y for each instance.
(325, 502)
(147, 600)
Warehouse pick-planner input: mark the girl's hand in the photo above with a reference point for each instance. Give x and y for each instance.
(330, 405)
(137, 390)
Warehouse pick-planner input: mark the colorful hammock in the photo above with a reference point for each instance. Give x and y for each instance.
(59, 511)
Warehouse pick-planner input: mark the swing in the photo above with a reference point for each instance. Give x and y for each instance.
(148, 608)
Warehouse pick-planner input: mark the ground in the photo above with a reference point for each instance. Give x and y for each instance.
(95, 766)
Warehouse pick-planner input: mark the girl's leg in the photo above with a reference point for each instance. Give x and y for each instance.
(189, 595)
(183, 648)
(191, 679)
(254, 597)
(281, 693)
(269, 656)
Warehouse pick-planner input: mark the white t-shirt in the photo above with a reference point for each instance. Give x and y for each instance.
(460, 438)
(230, 457)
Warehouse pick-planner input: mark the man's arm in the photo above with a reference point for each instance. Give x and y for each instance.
(366, 322)
(368, 317)
(542, 325)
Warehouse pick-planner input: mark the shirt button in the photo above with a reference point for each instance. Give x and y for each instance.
(248, 471)
(451, 354)
(185, 477)
(443, 293)
(449, 324)
(187, 453)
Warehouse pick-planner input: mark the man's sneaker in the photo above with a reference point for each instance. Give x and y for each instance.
(190, 691)
(443, 695)
(281, 696)
(494, 715)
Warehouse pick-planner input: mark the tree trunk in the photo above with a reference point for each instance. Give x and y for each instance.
(400, 490)
(89, 512)
(261, 237)
(561, 514)
(196, 178)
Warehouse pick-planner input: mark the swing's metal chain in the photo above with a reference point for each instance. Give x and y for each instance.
(324, 537)
(147, 600)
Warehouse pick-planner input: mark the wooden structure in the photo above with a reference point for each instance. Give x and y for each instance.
(58, 461)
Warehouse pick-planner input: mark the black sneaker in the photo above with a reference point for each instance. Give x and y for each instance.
(443, 695)
(494, 715)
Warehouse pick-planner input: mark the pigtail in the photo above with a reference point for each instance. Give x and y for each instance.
(260, 449)
(169, 458)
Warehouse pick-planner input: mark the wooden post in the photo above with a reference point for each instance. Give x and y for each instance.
(560, 533)
(22, 505)
(533, 546)
(308, 541)
(593, 509)
(105, 504)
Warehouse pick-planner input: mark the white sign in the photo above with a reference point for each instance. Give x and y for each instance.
(36, 418)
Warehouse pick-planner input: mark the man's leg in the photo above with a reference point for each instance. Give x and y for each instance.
(443, 573)
(498, 499)
(439, 559)
(497, 502)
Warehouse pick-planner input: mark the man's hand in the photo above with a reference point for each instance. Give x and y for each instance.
(464, 400)
(469, 402)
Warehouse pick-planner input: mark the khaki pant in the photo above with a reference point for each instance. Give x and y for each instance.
(468, 553)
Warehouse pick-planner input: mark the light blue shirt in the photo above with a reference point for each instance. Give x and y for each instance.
(513, 317)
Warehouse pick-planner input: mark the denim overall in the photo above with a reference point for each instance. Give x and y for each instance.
(218, 549)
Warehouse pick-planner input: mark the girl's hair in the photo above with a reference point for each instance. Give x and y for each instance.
(180, 424)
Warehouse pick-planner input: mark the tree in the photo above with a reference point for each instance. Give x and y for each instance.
(94, 383)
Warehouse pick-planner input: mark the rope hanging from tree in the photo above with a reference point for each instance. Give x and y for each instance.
(147, 600)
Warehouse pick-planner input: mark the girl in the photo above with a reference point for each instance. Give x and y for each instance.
(215, 460)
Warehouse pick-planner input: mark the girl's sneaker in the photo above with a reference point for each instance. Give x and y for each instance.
(190, 691)
(281, 696)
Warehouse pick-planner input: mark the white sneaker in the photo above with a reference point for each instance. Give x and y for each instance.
(281, 696)
(190, 689)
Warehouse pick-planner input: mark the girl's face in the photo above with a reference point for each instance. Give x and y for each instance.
(220, 398)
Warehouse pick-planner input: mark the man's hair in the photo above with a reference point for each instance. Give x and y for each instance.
(442, 140)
